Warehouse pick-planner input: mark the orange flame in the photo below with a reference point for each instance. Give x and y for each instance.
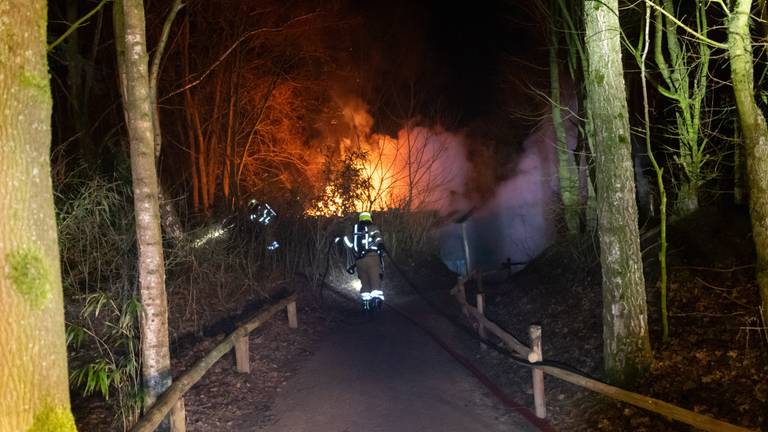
(420, 168)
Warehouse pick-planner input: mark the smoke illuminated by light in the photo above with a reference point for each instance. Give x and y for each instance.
(429, 169)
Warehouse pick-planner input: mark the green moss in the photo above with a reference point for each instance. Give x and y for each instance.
(37, 83)
(599, 79)
(53, 419)
(29, 275)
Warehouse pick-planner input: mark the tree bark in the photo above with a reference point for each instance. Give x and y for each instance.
(627, 351)
(567, 175)
(577, 64)
(33, 355)
(155, 355)
(738, 165)
(73, 59)
(169, 217)
(754, 132)
(685, 72)
(188, 110)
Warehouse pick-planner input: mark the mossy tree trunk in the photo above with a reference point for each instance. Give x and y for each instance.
(685, 73)
(738, 164)
(627, 351)
(754, 132)
(34, 390)
(571, 17)
(169, 217)
(645, 44)
(131, 46)
(567, 175)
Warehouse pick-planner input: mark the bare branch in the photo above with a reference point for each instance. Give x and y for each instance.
(233, 46)
(686, 28)
(76, 25)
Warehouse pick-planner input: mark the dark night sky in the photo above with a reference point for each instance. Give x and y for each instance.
(456, 53)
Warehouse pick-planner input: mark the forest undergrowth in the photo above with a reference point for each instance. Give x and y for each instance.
(219, 275)
(713, 363)
(716, 359)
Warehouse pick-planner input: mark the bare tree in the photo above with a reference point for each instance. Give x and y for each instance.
(645, 45)
(130, 38)
(567, 168)
(261, 82)
(626, 350)
(169, 217)
(33, 376)
(685, 73)
(567, 18)
(755, 135)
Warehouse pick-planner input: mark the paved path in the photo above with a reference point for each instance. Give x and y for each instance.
(388, 375)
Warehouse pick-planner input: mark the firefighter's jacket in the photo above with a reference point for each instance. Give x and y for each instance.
(366, 239)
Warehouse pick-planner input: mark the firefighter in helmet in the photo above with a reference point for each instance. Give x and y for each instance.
(366, 246)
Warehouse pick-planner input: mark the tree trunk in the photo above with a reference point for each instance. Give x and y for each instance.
(169, 217)
(202, 150)
(231, 137)
(188, 103)
(577, 65)
(74, 62)
(567, 175)
(684, 70)
(738, 165)
(755, 135)
(33, 355)
(627, 351)
(155, 356)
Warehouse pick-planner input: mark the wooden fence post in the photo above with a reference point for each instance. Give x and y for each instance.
(242, 354)
(481, 310)
(480, 282)
(539, 402)
(179, 417)
(461, 294)
(293, 319)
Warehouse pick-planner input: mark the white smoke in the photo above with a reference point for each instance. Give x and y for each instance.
(428, 169)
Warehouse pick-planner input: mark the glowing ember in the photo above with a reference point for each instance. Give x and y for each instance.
(333, 205)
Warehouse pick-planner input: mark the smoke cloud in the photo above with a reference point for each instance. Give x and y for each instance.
(428, 168)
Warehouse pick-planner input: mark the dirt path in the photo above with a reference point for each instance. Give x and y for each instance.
(388, 375)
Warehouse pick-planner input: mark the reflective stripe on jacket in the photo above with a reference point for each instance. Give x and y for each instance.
(366, 238)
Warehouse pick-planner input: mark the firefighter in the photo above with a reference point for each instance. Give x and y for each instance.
(366, 245)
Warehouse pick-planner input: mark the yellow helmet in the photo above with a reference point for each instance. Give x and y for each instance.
(365, 216)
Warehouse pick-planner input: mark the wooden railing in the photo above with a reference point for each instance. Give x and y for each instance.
(171, 401)
(534, 355)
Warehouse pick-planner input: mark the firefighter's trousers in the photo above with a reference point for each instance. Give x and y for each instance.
(368, 269)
